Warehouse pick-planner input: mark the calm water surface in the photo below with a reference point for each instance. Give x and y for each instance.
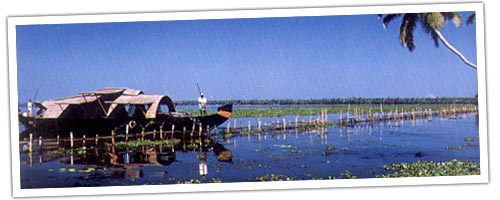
(299, 155)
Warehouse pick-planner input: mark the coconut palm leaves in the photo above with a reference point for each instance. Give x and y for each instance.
(431, 23)
(471, 19)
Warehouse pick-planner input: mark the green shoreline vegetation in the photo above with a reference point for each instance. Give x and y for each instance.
(332, 101)
(306, 107)
(307, 110)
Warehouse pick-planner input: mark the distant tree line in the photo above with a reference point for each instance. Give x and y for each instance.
(355, 100)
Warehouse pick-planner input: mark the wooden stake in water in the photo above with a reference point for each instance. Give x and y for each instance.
(284, 124)
(96, 140)
(370, 114)
(326, 115)
(83, 142)
(57, 141)
(249, 127)
(381, 111)
(201, 128)
(348, 109)
(340, 118)
(40, 142)
(126, 133)
(31, 142)
(173, 130)
(322, 117)
(71, 139)
(161, 132)
(228, 127)
(113, 141)
(296, 121)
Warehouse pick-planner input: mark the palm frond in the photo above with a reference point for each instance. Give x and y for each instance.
(406, 30)
(435, 38)
(454, 16)
(429, 29)
(434, 20)
(388, 18)
(471, 19)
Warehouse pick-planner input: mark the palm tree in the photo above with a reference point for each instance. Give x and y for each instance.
(431, 24)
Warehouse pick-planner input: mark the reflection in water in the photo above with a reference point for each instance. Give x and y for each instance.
(299, 153)
(129, 162)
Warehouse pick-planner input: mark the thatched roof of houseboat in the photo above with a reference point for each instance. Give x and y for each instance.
(125, 91)
(152, 100)
(56, 107)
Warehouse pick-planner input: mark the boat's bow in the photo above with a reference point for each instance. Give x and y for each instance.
(225, 110)
(223, 113)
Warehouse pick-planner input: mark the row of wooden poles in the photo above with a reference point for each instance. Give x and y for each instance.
(55, 143)
(401, 114)
(283, 124)
(348, 118)
(231, 126)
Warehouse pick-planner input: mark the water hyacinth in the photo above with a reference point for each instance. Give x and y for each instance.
(147, 143)
(431, 168)
(275, 177)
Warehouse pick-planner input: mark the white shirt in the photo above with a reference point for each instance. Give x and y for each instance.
(30, 106)
(202, 101)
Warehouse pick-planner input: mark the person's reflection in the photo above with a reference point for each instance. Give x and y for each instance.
(203, 167)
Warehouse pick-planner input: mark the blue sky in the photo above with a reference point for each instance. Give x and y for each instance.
(262, 58)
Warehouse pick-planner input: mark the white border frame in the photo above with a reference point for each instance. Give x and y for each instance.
(264, 13)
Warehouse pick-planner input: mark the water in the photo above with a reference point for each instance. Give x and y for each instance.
(362, 151)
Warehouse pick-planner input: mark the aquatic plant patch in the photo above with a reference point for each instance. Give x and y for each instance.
(430, 168)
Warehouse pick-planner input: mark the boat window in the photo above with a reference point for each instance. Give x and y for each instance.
(131, 109)
(163, 108)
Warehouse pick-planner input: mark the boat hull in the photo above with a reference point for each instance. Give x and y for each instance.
(51, 128)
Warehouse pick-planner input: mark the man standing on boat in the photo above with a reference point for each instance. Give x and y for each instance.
(30, 108)
(202, 103)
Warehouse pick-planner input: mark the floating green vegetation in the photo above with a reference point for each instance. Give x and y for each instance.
(348, 175)
(216, 180)
(329, 150)
(147, 143)
(471, 139)
(275, 177)
(73, 170)
(226, 156)
(430, 168)
(327, 178)
(469, 142)
(66, 152)
(199, 181)
(314, 110)
(201, 156)
(191, 181)
(456, 148)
